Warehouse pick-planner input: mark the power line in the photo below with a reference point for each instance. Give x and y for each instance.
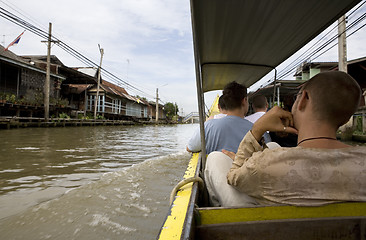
(67, 48)
(285, 72)
(320, 49)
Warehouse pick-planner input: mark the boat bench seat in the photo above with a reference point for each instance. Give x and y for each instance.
(333, 221)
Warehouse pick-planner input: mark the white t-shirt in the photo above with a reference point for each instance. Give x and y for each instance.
(254, 117)
(220, 115)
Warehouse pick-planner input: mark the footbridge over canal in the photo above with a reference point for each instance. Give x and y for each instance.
(193, 117)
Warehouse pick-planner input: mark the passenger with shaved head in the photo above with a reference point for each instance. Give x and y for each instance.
(321, 169)
(259, 105)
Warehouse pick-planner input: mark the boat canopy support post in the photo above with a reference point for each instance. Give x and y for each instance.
(202, 116)
(274, 88)
(200, 93)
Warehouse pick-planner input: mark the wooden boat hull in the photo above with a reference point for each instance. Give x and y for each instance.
(180, 219)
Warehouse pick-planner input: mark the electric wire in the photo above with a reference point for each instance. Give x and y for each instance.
(76, 54)
(299, 59)
(286, 71)
(322, 49)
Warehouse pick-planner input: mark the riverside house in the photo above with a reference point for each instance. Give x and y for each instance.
(114, 101)
(72, 90)
(80, 90)
(21, 86)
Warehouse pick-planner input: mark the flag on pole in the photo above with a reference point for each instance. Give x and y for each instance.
(16, 41)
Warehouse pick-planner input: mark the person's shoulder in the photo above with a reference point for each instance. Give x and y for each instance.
(246, 122)
(241, 123)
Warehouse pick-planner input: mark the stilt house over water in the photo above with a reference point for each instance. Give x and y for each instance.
(72, 91)
(22, 84)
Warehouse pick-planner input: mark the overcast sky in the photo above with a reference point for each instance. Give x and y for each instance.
(148, 43)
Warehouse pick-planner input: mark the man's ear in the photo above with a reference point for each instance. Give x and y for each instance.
(303, 101)
(244, 101)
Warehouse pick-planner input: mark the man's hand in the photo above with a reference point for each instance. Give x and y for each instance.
(188, 150)
(228, 153)
(275, 120)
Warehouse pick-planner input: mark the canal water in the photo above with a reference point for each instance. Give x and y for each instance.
(89, 182)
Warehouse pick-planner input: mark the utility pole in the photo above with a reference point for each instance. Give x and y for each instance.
(96, 103)
(175, 109)
(46, 90)
(342, 44)
(157, 106)
(47, 83)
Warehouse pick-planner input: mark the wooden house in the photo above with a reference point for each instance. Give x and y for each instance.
(79, 88)
(152, 111)
(22, 83)
(356, 68)
(113, 101)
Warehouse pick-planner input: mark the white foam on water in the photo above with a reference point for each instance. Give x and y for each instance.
(11, 170)
(102, 197)
(131, 202)
(28, 148)
(99, 219)
(143, 208)
(80, 150)
(135, 196)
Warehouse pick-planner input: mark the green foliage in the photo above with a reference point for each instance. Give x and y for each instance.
(142, 98)
(53, 101)
(171, 109)
(11, 98)
(64, 115)
(59, 102)
(30, 98)
(2, 96)
(63, 102)
(100, 117)
(358, 124)
(87, 116)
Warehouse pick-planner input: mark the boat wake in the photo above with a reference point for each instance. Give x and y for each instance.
(131, 202)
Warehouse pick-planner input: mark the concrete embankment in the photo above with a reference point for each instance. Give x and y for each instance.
(22, 122)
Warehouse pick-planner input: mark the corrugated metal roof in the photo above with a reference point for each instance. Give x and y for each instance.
(12, 58)
(11, 55)
(118, 88)
(119, 91)
(243, 40)
(79, 88)
(88, 71)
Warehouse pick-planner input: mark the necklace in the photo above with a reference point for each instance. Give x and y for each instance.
(307, 139)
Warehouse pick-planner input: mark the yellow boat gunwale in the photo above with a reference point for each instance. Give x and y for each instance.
(208, 216)
(181, 210)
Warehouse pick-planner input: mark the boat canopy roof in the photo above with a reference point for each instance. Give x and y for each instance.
(243, 40)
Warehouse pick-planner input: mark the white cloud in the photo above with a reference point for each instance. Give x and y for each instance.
(155, 35)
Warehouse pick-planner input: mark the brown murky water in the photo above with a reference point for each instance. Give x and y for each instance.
(89, 182)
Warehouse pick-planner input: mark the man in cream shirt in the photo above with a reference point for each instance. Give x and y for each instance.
(320, 170)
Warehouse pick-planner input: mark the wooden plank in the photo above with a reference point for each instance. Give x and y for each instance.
(300, 229)
(232, 215)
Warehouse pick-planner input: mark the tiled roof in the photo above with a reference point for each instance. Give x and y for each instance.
(80, 87)
(11, 55)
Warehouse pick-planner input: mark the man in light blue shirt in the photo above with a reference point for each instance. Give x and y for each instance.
(227, 132)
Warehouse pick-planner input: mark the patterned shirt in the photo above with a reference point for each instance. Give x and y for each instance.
(299, 176)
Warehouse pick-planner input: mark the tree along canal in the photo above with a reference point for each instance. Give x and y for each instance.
(120, 178)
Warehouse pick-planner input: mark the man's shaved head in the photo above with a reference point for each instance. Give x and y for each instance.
(336, 96)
